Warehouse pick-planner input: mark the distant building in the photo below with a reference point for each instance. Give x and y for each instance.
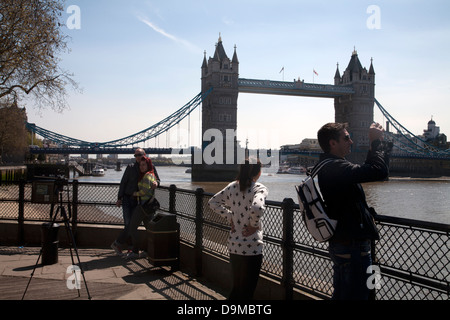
(307, 144)
(432, 136)
(288, 152)
(52, 158)
(310, 145)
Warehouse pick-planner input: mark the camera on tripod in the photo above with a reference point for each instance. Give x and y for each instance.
(50, 191)
(47, 190)
(59, 184)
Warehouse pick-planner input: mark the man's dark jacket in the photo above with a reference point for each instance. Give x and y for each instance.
(339, 183)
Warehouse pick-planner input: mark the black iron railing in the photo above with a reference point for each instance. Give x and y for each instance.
(412, 257)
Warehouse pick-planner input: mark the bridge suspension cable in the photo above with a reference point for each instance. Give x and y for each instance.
(141, 136)
(407, 141)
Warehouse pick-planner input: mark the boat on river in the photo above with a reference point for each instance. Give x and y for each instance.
(98, 172)
(291, 170)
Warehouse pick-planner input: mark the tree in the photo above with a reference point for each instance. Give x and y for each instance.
(13, 135)
(31, 38)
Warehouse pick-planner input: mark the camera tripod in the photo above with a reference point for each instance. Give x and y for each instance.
(62, 211)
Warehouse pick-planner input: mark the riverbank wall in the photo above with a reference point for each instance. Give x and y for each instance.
(410, 167)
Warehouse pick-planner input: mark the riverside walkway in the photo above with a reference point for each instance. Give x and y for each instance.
(108, 277)
(412, 256)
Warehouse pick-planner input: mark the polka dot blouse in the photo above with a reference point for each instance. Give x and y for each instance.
(242, 209)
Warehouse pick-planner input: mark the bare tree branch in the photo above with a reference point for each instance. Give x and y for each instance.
(31, 39)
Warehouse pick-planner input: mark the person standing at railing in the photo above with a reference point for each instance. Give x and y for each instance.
(145, 195)
(129, 185)
(242, 204)
(339, 182)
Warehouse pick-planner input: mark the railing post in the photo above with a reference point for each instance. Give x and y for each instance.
(373, 292)
(198, 248)
(172, 198)
(75, 186)
(21, 216)
(288, 248)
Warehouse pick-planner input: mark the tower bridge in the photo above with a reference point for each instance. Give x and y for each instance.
(353, 95)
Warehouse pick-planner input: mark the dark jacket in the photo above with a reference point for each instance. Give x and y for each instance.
(339, 183)
(129, 181)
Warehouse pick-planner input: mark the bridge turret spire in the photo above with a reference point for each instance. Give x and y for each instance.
(220, 54)
(371, 70)
(235, 59)
(205, 63)
(337, 75)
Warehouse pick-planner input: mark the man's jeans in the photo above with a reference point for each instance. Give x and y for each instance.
(131, 228)
(350, 263)
(129, 203)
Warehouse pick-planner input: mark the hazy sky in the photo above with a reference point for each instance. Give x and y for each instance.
(139, 61)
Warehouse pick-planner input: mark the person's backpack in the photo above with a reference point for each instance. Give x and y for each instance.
(313, 208)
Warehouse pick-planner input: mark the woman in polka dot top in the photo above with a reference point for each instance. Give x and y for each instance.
(242, 204)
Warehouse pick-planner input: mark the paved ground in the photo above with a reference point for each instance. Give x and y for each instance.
(107, 277)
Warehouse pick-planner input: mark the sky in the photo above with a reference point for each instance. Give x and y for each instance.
(139, 61)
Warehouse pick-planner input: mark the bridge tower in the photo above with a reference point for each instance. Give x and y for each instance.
(356, 109)
(219, 114)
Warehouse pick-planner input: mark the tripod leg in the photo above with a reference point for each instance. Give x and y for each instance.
(73, 244)
(70, 239)
(32, 274)
(40, 254)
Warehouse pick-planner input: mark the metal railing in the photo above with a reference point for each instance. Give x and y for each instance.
(413, 257)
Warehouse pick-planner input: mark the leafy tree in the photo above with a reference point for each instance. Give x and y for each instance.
(31, 39)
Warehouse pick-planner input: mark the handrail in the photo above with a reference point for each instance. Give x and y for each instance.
(413, 256)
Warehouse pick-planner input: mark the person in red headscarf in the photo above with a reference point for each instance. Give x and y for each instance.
(146, 180)
(147, 184)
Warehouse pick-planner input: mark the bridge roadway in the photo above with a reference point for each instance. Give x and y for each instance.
(170, 150)
(98, 150)
(294, 88)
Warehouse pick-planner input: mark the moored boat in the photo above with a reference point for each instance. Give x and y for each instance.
(98, 172)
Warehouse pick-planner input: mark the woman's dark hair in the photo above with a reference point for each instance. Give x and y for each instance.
(246, 174)
(329, 131)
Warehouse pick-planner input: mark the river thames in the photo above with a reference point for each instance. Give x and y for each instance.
(419, 199)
